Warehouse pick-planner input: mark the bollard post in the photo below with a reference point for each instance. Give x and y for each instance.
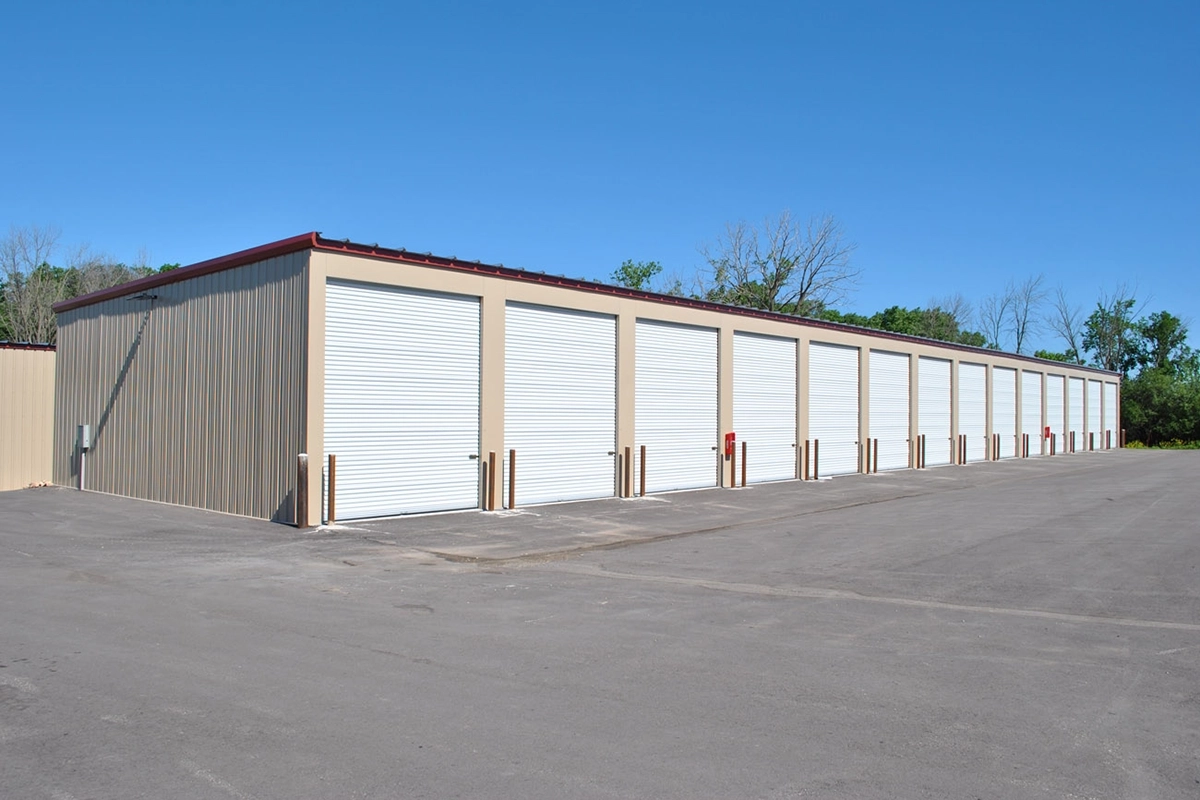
(512, 478)
(642, 476)
(816, 459)
(743, 464)
(629, 472)
(807, 454)
(332, 489)
(1122, 437)
(875, 463)
(491, 498)
(302, 490)
(866, 465)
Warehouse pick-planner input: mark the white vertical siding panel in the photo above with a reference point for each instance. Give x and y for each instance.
(933, 407)
(675, 399)
(1055, 400)
(889, 408)
(401, 399)
(1031, 410)
(1110, 414)
(1075, 391)
(833, 406)
(560, 402)
(972, 409)
(1004, 409)
(764, 405)
(1093, 411)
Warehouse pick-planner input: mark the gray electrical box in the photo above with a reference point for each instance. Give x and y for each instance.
(85, 437)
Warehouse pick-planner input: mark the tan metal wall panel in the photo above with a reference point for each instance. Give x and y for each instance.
(196, 398)
(26, 417)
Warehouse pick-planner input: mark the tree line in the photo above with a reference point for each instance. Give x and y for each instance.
(805, 268)
(31, 281)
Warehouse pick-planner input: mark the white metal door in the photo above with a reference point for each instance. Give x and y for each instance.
(889, 408)
(764, 405)
(833, 404)
(1004, 409)
(1055, 399)
(1093, 413)
(933, 410)
(401, 399)
(1075, 390)
(1031, 410)
(972, 409)
(675, 399)
(1110, 415)
(560, 402)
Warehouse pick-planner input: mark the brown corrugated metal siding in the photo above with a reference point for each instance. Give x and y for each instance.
(26, 415)
(196, 397)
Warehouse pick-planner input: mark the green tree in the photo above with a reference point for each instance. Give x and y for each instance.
(930, 323)
(1110, 335)
(636, 274)
(1050, 356)
(1158, 406)
(1162, 343)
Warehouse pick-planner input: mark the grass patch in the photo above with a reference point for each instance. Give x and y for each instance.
(1173, 444)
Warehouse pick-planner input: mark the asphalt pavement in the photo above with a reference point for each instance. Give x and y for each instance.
(1021, 629)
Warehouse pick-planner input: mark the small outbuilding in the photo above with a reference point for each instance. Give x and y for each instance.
(26, 414)
(437, 384)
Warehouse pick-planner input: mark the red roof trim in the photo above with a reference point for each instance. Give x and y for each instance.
(239, 259)
(25, 346)
(425, 259)
(315, 241)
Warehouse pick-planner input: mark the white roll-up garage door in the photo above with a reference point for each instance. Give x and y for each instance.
(933, 410)
(401, 399)
(1093, 413)
(1004, 409)
(675, 398)
(889, 407)
(1031, 410)
(560, 402)
(1112, 438)
(1075, 390)
(1055, 398)
(833, 404)
(764, 405)
(972, 409)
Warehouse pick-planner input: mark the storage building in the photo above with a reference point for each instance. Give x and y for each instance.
(442, 384)
(26, 414)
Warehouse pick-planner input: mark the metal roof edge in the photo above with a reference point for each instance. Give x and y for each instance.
(314, 241)
(427, 259)
(241, 258)
(27, 346)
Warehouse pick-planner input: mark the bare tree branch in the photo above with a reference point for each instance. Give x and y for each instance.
(783, 265)
(994, 317)
(1066, 321)
(1025, 300)
(31, 284)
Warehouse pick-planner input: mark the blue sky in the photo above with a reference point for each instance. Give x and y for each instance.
(960, 144)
